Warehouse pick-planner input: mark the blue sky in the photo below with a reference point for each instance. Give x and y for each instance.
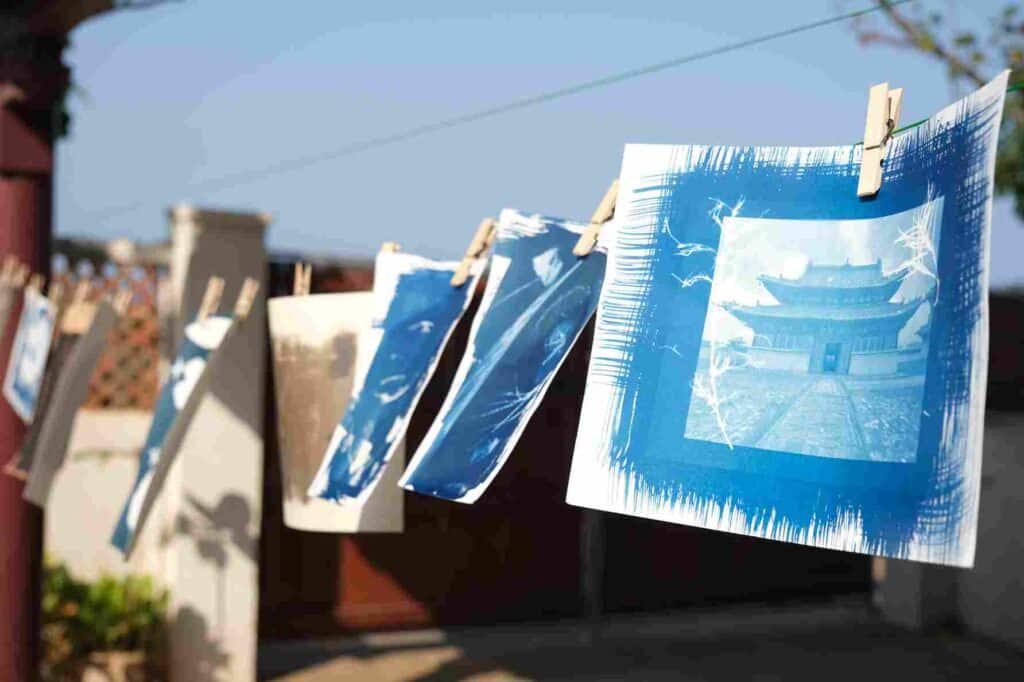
(175, 96)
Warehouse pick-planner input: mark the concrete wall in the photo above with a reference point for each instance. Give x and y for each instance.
(202, 539)
(886, 363)
(89, 491)
(219, 472)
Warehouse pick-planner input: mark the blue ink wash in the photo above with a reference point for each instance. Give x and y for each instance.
(29, 352)
(539, 297)
(176, 397)
(417, 310)
(775, 357)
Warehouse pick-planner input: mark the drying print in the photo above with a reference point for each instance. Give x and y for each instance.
(539, 297)
(777, 357)
(69, 394)
(177, 401)
(319, 346)
(416, 311)
(31, 347)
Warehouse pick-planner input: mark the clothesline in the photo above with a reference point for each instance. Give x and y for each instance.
(252, 175)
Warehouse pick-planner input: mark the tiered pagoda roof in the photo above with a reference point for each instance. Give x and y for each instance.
(851, 294)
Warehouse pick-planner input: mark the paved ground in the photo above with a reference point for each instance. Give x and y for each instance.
(839, 643)
(823, 415)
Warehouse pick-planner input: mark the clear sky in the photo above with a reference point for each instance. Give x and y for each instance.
(177, 95)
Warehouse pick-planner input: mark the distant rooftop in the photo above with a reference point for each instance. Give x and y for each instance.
(845, 275)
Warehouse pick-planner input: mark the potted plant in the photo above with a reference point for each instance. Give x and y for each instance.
(110, 629)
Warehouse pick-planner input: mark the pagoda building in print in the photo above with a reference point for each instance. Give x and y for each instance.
(833, 319)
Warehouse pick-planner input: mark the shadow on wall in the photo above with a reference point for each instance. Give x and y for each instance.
(212, 530)
(207, 658)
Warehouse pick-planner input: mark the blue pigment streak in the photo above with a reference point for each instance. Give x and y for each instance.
(648, 448)
(420, 316)
(519, 343)
(163, 419)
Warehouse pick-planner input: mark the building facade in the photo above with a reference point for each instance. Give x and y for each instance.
(833, 319)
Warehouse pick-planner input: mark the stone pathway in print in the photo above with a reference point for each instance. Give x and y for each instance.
(813, 414)
(822, 421)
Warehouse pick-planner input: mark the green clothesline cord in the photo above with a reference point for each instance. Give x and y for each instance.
(1013, 88)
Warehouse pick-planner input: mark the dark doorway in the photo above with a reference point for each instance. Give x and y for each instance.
(830, 363)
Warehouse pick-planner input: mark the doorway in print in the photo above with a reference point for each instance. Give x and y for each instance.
(830, 363)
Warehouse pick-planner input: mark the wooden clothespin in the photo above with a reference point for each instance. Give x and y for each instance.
(20, 275)
(605, 211)
(303, 279)
(8, 271)
(122, 299)
(390, 247)
(82, 290)
(246, 296)
(211, 298)
(482, 240)
(56, 292)
(883, 116)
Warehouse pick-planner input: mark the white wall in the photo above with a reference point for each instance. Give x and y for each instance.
(89, 491)
(782, 360)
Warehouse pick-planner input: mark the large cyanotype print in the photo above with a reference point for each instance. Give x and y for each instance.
(539, 298)
(175, 405)
(416, 311)
(776, 357)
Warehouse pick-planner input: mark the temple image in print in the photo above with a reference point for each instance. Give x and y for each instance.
(833, 319)
(806, 356)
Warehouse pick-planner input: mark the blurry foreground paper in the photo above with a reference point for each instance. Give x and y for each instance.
(61, 349)
(175, 407)
(415, 311)
(539, 297)
(775, 357)
(320, 343)
(69, 393)
(28, 354)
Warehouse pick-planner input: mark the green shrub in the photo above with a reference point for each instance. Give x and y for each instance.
(109, 614)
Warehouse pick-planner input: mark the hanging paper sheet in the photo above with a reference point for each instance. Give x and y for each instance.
(775, 357)
(538, 299)
(69, 393)
(320, 343)
(416, 309)
(61, 349)
(28, 354)
(179, 398)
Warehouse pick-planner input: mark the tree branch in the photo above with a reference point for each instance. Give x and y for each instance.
(928, 43)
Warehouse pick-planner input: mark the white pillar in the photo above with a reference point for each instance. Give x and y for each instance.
(215, 488)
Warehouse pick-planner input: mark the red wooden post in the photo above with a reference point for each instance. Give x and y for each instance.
(32, 82)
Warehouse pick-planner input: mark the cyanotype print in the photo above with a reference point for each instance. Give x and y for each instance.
(539, 297)
(28, 354)
(175, 405)
(816, 336)
(320, 345)
(777, 357)
(416, 311)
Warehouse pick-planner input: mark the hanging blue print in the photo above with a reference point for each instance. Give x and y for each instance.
(27, 364)
(539, 297)
(177, 403)
(417, 309)
(775, 357)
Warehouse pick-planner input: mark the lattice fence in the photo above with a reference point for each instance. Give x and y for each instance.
(127, 374)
